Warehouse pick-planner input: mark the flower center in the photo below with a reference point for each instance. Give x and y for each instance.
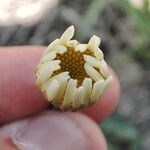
(73, 62)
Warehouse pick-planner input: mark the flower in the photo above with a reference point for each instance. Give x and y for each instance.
(72, 75)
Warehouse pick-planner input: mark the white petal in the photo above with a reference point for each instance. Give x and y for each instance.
(98, 54)
(61, 75)
(94, 42)
(57, 77)
(97, 90)
(48, 57)
(61, 49)
(79, 94)
(103, 68)
(69, 94)
(48, 63)
(46, 71)
(87, 84)
(52, 45)
(63, 80)
(92, 61)
(52, 90)
(108, 82)
(81, 47)
(43, 75)
(67, 35)
(93, 73)
(72, 43)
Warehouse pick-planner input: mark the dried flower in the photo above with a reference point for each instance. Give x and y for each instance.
(72, 75)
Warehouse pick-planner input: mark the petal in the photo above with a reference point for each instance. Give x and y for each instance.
(45, 64)
(46, 71)
(67, 35)
(52, 46)
(52, 90)
(61, 49)
(92, 61)
(93, 73)
(69, 94)
(72, 43)
(81, 47)
(98, 54)
(87, 84)
(103, 68)
(79, 95)
(57, 77)
(94, 42)
(98, 88)
(48, 57)
(108, 82)
(63, 80)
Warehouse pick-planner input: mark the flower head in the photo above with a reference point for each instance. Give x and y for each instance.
(72, 75)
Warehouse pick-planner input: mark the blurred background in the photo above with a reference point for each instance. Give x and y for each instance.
(124, 27)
